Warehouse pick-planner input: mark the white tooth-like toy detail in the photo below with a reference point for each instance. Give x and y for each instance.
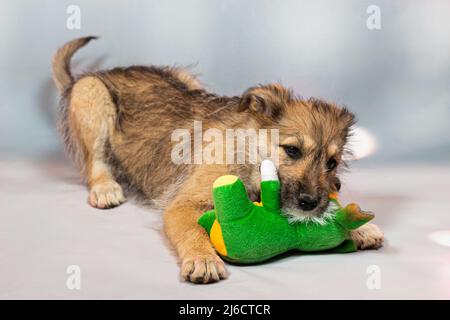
(268, 171)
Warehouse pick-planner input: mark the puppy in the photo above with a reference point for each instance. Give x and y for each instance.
(118, 126)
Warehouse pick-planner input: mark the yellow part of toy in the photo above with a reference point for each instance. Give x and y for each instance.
(224, 180)
(333, 195)
(217, 238)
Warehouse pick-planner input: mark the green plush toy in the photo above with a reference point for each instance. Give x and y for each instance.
(246, 232)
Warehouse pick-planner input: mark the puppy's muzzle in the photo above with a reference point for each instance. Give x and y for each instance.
(307, 202)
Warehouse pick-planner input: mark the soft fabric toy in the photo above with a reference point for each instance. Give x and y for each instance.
(246, 232)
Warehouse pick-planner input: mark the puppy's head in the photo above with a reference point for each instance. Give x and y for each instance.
(312, 138)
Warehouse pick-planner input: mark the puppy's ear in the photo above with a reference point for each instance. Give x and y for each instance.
(347, 120)
(336, 185)
(269, 100)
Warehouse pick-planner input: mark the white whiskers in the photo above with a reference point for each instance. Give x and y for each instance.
(295, 215)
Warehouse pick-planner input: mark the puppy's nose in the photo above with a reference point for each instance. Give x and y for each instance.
(307, 202)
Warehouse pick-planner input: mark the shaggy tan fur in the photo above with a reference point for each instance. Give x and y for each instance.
(117, 124)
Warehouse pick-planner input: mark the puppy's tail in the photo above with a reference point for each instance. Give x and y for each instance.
(61, 62)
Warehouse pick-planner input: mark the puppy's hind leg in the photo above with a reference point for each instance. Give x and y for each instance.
(91, 120)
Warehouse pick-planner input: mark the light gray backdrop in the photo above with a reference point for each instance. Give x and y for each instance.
(395, 79)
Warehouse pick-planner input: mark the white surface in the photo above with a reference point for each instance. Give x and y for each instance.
(46, 225)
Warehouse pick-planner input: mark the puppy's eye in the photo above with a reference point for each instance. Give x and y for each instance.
(292, 152)
(331, 164)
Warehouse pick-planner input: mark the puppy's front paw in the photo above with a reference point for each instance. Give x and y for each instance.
(368, 236)
(106, 194)
(203, 269)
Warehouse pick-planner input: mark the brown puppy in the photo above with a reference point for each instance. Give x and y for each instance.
(119, 126)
